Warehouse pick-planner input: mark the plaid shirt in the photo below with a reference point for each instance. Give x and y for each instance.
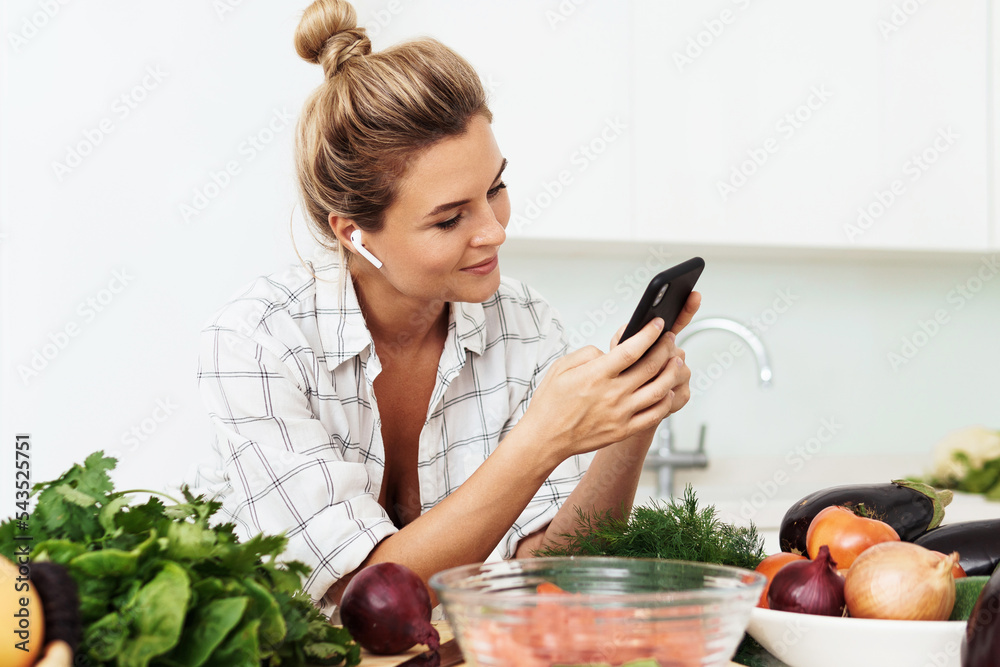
(286, 373)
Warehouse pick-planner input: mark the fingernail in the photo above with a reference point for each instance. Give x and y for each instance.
(680, 362)
(658, 322)
(671, 335)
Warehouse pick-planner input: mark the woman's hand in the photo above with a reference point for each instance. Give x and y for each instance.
(611, 480)
(691, 307)
(589, 399)
(57, 654)
(682, 391)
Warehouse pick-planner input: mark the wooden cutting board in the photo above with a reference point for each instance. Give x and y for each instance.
(369, 660)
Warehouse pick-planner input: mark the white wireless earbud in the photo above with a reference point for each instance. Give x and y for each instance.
(356, 242)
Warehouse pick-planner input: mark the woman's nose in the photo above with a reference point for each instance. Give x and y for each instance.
(491, 232)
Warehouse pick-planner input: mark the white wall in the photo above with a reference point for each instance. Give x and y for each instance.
(202, 81)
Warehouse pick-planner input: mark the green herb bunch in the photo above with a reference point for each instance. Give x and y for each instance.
(967, 460)
(677, 530)
(982, 478)
(160, 586)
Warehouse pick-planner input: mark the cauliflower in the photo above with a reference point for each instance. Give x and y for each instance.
(978, 444)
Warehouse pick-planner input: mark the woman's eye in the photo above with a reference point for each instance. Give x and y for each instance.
(449, 224)
(493, 192)
(490, 194)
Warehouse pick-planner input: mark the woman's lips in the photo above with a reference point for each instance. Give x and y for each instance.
(483, 268)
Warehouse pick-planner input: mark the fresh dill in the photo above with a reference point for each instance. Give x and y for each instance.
(676, 530)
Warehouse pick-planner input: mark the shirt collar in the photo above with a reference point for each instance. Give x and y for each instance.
(342, 327)
(469, 320)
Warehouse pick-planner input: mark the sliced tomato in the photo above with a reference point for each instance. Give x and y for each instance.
(548, 587)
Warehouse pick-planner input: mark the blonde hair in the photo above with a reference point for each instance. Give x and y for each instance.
(373, 114)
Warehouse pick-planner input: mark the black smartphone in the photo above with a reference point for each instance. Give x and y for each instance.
(665, 296)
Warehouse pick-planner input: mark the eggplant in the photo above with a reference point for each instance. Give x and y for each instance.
(982, 633)
(60, 602)
(977, 544)
(911, 508)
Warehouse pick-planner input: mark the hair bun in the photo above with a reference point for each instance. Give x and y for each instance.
(328, 34)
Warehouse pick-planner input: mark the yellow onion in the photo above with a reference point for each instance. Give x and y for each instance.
(23, 621)
(902, 581)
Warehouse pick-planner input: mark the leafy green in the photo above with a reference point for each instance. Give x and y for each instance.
(677, 530)
(208, 627)
(160, 586)
(157, 612)
(983, 478)
(752, 654)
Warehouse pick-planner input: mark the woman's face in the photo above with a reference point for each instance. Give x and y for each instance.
(442, 234)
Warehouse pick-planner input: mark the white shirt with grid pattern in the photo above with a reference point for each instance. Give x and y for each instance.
(286, 372)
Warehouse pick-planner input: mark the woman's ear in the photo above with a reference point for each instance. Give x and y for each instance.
(349, 236)
(342, 228)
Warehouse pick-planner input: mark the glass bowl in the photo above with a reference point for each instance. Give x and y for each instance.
(605, 611)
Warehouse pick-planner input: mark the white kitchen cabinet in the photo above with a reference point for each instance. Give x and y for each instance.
(559, 76)
(855, 124)
(994, 172)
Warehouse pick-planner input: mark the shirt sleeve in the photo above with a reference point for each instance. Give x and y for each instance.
(551, 344)
(284, 468)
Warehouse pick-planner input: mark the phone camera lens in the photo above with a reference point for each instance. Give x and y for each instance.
(659, 296)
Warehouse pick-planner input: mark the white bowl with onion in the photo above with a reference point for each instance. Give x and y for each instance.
(807, 640)
(898, 596)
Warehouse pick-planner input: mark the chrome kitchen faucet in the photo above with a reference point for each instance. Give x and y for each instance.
(662, 457)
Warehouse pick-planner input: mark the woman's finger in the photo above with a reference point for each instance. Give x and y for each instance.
(654, 361)
(579, 357)
(57, 654)
(675, 398)
(652, 416)
(691, 307)
(627, 353)
(657, 389)
(618, 336)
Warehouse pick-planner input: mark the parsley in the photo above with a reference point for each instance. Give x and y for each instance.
(160, 586)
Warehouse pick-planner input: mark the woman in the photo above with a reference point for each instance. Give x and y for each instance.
(400, 401)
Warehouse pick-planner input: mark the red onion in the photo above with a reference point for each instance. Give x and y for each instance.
(809, 587)
(387, 610)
